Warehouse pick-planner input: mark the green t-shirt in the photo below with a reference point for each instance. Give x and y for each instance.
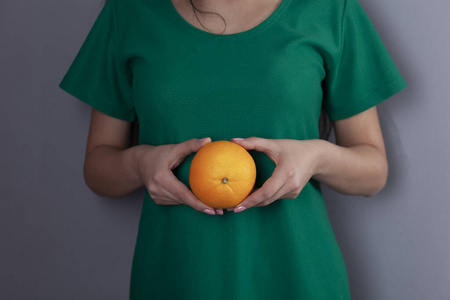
(143, 61)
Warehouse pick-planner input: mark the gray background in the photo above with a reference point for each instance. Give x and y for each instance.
(61, 241)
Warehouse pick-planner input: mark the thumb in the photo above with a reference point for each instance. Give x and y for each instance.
(190, 146)
(255, 143)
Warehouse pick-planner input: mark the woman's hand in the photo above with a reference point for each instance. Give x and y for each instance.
(155, 165)
(296, 162)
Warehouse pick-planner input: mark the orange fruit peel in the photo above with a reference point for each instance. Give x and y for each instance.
(222, 174)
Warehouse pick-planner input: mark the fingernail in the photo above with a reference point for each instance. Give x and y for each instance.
(203, 139)
(219, 211)
(237, 139)
(209, 211)
(239, 209)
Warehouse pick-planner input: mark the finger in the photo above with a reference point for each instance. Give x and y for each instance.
(184, 195)
(160, 187)
(289, 191)
(171, 201)
(160, 195)
(185, 148)
(272, 185)
(258, 144)
(264, 203)
(274, 197)
(278, 195)
(168, 186)
(164, 200)
(233, 208)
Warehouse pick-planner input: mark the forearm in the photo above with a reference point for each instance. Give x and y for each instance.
(112, 172)
(357, 170)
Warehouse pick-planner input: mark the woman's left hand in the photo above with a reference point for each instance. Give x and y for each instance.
(296, 162)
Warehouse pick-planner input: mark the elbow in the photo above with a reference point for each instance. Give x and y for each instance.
(89, 177)
(100, 192)
(380, 176)
(90, 183)
(95, 185)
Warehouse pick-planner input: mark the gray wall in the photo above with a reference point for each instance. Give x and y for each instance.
(61, 241)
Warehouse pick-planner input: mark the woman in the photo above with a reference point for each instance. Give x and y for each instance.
(264, 81)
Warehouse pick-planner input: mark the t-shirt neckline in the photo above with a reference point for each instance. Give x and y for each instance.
(175, 15)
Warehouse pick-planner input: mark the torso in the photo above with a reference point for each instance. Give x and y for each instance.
(256, 79)
(239, 16)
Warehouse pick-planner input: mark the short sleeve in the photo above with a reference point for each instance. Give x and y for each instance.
(96, 75)
(365, 74)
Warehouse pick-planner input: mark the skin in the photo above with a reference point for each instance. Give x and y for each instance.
(240, 15)
(355, 165)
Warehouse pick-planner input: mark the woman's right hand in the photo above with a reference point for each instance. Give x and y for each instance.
(155, 165)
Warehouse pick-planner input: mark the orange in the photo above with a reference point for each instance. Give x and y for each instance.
(222, 174)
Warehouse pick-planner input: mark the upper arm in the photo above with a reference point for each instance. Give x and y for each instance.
(106, 130)
(362, 128)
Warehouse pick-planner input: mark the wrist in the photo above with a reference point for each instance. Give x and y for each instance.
(321, 152)
(132, 157)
